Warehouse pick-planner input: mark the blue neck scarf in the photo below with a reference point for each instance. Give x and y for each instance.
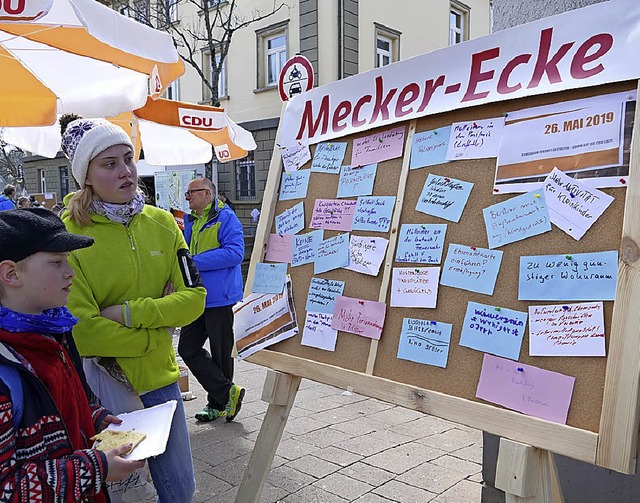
(51, 321)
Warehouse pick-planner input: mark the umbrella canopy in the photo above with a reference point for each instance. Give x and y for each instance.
(59, 56)
(170, 132)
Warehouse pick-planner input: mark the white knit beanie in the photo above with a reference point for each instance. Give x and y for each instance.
(86, 138)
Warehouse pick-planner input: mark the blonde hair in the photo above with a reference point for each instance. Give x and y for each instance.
(79, 206)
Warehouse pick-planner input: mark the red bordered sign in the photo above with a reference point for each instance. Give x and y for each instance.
(296, 77)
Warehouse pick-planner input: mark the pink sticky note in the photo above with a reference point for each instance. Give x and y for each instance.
(377, 147)
(360, 317)
(333, 214)
(527, 389)
(279, 248)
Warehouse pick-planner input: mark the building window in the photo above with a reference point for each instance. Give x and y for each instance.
(64, 181)
(387, 46)
(458, 23)
(272, 55)
(42, 181)
(246, 178)
(141, 11)
(171, 11)
(222, 76)
(173, 91)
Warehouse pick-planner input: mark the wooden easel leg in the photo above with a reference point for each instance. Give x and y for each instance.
(279, 392)
(527, 474)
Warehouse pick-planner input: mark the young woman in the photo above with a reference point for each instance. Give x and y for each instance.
(130, 287)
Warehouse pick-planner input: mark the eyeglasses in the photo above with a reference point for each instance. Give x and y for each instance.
(189, 193)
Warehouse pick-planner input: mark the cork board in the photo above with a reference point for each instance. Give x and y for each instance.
(460, 377)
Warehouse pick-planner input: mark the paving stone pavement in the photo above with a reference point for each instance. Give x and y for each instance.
(336, 448)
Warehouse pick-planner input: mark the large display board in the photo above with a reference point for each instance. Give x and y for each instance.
(602, 420)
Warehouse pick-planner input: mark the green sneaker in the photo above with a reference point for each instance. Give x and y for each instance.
(210, 414)
(236, 394)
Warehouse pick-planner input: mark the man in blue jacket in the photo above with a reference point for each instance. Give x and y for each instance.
(7, 198)
(216, 242)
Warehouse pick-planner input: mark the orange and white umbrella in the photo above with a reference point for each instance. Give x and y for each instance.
(170, 132)
(59, 56)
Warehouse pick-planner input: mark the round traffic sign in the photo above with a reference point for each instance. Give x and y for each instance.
(296, 77)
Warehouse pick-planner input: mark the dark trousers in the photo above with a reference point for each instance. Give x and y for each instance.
(214, 371)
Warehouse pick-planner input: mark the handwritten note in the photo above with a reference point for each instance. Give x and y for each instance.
(421, 243)
(444, 197)
(357, 181)
(317, 331)
(425, 341)
(377, 147)
(470, 268)
(304, 247)
(279, 248)
(328, 157)
(430, 148)
(333, 214)
(580, 276)
(290, 221)
(475, 139)
(567, 330)
(366, 254)
(414, 286)
(360, 317)
(294, 184)
(332, 253)
(525, 388)
(373, 213)
(495, 330)
(517, 218)
(294, 156)
(323, 294)
(573, 206)
(269, 278)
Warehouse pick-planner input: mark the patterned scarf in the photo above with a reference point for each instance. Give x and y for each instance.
(51, 321)
(120, 213)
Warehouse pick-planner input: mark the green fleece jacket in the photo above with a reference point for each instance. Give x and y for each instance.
(132, 265)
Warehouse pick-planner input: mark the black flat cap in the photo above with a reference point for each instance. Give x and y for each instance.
(26, 231)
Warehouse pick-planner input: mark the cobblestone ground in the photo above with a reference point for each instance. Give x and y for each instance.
(337, 447)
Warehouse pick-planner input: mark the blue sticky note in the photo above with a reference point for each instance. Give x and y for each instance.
(425, 341)
(332, 253)
(470, 268)
(517, 218)
(495, 330)
(294, 184)
(290, 221)
(373, 213)
(357, 181)
(269, 278)
(328, 157)
(305, 246)
(444, 197)
(323, 294)
(429, 148)
(421, 243)
(579, 276)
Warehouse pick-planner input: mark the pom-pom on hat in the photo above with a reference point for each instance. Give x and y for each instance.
(86, 138)
(26, 231)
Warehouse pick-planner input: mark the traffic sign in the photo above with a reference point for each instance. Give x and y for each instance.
(296, 77)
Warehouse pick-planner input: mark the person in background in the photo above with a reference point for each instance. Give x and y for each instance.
(222, 198)
(58, 208)
(7, 198)
(136, 283)
(46, 422)
(24, 202)
(216, 242)
(34, 202)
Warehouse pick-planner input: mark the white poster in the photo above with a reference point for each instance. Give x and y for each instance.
(170, 189)
(581, 48)
(261, 320)
(414, 287)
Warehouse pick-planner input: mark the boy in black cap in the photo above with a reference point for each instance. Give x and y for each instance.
(46, 421)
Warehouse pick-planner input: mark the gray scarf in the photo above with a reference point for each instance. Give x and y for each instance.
(120, 213)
